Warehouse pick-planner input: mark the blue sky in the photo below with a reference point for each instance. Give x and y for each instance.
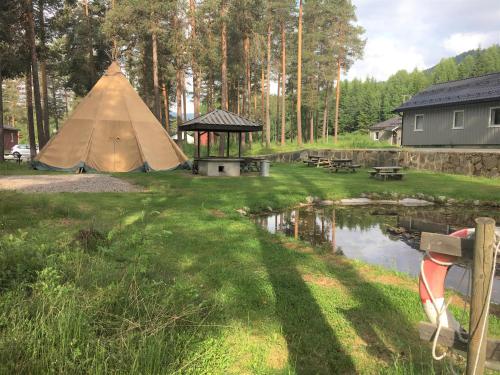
(404, 34)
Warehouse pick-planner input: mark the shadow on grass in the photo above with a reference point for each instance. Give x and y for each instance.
(312, 344)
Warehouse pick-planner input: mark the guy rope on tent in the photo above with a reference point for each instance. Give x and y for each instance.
(481, 244)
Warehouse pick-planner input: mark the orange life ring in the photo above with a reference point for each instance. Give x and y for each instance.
(432, 277)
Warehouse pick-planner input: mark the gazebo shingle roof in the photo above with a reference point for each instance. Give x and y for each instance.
(220, 120)
(471, 90)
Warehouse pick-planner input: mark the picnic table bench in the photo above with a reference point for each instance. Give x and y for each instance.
(387, 173)
(343, 165)
(317, 161)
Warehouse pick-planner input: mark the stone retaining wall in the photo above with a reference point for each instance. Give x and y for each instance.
(470, 162)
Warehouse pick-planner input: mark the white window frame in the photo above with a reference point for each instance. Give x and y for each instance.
(490, 125)
(415, 124)
(458, 127)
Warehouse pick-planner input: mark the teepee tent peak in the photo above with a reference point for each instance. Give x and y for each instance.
(111, 130)
(113, 68)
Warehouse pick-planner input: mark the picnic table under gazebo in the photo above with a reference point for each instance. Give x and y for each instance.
(220, 121)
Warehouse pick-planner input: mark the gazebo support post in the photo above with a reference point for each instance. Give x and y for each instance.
(227, 153)
(208, 145)
(239, 145)
(198, 145)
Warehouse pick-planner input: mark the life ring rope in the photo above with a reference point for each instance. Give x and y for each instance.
(443, 309)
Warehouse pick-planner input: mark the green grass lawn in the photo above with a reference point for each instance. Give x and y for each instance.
(174, 280)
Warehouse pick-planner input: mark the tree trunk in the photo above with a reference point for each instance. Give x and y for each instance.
(262, 102)
(184, 115)
(283, 83)
(337, 104)
(194, 68)
(166, 107)
(325, 113)
(311, 128)
(224, 96)
(194, 65)
(30, 34)
(276, 129)
(268, 88)
(246, 48)
(156, 87)
(184, 105)
(54, 101)
(90, 44)
(2, 148)
(178, 95)
(29, 108)
(299, 79)
(210, 94)
(43, 71)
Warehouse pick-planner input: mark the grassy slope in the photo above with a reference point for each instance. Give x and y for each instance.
(346, 141)
(182, 283)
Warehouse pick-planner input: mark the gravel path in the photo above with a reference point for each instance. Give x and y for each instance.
(76, 183)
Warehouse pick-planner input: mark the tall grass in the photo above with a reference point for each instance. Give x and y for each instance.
(71, 311)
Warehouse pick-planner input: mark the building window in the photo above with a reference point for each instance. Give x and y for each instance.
(458, 119)
(419, 123)
(495, 116)
(376, 136)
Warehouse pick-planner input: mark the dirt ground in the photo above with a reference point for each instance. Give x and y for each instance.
(79, 183)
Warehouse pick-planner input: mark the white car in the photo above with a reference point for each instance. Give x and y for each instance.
(22, 151)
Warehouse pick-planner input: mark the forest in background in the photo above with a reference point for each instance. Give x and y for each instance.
(52, 51)
(364, 103)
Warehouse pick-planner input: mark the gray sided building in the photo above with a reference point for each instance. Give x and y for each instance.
(463, 113)
(388, 131)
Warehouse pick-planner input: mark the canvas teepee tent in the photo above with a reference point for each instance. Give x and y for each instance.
(111, 130)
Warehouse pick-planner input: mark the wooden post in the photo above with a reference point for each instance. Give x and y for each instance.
(227, 153)
(482, 267)
(239, 145)
(198, 145)
(208, 145)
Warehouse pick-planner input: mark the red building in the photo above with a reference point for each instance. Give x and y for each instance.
(10, 138)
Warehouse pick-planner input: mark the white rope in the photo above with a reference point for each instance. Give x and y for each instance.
(487, 303)
(439, 311)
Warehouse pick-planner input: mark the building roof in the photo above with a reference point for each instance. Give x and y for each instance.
(10, 128)
(471, 90)
(220, 120)
(391, 124)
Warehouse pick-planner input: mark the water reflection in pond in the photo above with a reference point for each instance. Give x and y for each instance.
(384, 236)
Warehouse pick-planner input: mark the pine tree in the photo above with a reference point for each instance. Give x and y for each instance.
(299, 78)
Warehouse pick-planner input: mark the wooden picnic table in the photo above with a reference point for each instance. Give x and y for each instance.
(393, 168)
(391, 172)
(343, 165)
(317, 161)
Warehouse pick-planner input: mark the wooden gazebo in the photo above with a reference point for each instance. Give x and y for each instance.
(219, 121)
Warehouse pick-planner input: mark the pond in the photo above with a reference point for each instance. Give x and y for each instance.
(387, 236)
